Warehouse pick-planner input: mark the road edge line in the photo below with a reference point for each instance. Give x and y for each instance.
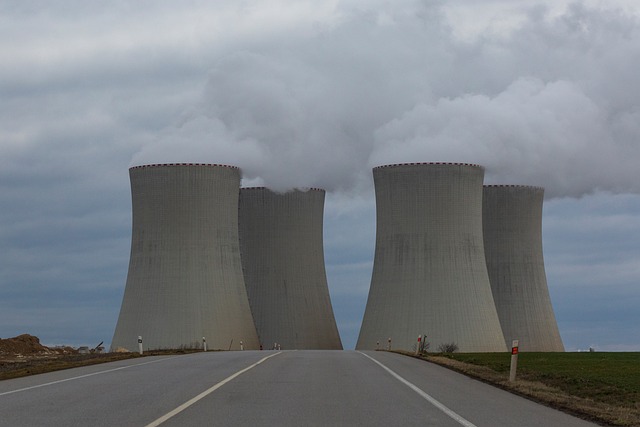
(79, 377)
(427, 397)
(205, 393)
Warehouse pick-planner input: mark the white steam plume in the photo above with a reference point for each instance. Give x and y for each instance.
(553, 101)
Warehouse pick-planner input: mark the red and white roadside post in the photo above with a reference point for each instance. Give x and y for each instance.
(418, 345)
(514, 360)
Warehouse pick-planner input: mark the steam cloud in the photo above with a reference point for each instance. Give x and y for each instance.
(551, 102)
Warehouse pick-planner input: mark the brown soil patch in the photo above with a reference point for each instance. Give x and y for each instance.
(23, 345)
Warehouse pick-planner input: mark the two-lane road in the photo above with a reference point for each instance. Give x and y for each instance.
(288, 388)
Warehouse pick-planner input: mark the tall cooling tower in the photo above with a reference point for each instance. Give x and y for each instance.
(283, 262)
(429, 273)
(512, 222)
(185, 277)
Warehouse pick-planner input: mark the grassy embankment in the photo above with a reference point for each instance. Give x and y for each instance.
(603, 387)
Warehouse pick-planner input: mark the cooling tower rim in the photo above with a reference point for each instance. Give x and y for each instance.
(522, 186)
(303, 189)
(429, 163)
(155, 165)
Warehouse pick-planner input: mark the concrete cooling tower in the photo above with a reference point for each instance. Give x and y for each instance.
(429, 273)
(512, 222)
(185, 277)
(283, 261)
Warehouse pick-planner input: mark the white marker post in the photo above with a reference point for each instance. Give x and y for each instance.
(204, 343)
(241, 346)
(418, 345)
(140, 344)
(514, 360)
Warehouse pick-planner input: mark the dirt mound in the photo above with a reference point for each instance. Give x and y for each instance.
(24, 344)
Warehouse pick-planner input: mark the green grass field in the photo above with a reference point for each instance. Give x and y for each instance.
(610, 378)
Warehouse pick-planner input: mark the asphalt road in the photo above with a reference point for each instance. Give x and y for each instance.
(288, 388)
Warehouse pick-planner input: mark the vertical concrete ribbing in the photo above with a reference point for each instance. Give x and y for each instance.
(185, 277)
(283, 260)
(429, 274)
(512, 222)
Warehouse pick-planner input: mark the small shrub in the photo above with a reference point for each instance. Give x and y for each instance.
(450, 347)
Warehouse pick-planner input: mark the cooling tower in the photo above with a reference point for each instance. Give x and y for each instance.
(512, 222)
(185, 277)
(429, 272)
(283, 262)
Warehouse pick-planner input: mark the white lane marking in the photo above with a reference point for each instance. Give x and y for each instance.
(424, 395)
(84, 376)
(206, 393)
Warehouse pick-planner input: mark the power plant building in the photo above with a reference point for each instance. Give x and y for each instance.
(283, 260)
(429, 274)
(185, 279)
(512, 227)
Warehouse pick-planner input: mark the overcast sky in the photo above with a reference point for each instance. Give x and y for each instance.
(314, 94)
